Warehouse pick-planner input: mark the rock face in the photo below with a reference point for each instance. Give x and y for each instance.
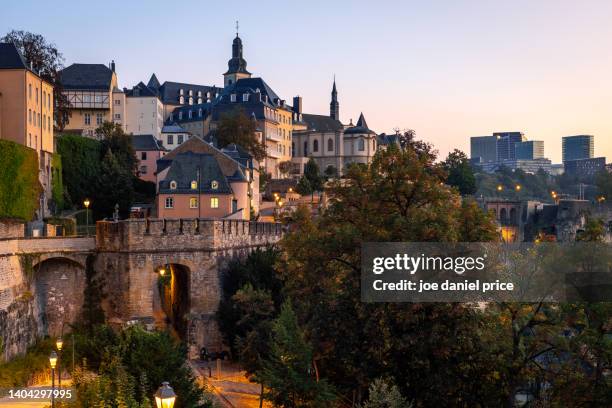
(42, 281)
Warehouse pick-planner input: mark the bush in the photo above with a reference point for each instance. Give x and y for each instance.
(20, 371)
(19, 185)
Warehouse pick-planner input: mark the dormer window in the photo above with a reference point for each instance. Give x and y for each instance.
(233, 97)
(173, 185)
(214, 184)
(190, 100)
(180, 115)
(199, 101)
(181, 91)
(194, 185)
(245, 97)
(182, 100)
(191, 92)
(208, 94)
(199, 93)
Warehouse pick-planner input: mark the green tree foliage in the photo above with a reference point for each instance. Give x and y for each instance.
(536, 186)
(236, 127)
(81, 159)
(401, 196)
(460, 173)
(57, 183)
(114, 139)
(594, 231)
(313, 175)
(115, 186)
(331, 172)
(288, 373)
(92, 312)
(19, 186)
(383, 394)
(603, 180)
(46, 59)
(303, 186)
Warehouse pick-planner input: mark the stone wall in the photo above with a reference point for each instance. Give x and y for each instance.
(11, 229)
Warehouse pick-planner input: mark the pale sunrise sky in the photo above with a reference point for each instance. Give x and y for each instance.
(447, 69)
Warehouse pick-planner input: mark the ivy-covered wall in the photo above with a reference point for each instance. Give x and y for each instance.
(57, 182)
(19, 185)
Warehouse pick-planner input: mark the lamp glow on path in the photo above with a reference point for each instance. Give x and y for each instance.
(165, 396)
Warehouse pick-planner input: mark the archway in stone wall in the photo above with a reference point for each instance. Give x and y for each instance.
(60, 285)
(172, 305)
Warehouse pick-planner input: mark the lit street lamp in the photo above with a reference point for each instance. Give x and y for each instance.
(165, 396)
(53, 363)
(59, 343)
(86, 204)
(518, 187)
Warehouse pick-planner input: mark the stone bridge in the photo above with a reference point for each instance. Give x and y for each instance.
(164, 273)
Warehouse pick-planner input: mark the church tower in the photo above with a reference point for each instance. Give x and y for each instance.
(237, 65)
(334, 106)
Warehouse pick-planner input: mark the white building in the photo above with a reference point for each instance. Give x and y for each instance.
(173, 135)
(144, 112)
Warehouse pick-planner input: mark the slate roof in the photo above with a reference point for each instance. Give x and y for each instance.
(206, 108)
(86, 76)
(321, 123)
(169, 92)
(239, 154)
(153, 82)
(385, 139)
(184, 170)
(360, 128)
(146, 143)
(140, 90)
(11, 58)
(173, 128)
(251, 85)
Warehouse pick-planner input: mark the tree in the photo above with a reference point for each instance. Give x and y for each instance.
(399, 197)
(594, 231)
(285, 167)
(331, 172)
(287, 372)
(81, 159)
(20, 188)
(236, 127)
(385, 395)
(114, 187)
(45, 59)
(114, 139)
(303, 186)
(313, 175)
(460, 173)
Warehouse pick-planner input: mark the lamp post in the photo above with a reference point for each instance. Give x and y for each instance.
(165, 396)
(86, 204)
(52, 363)
(59, 343)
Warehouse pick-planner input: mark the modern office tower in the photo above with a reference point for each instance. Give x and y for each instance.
(529, 150)
(483, 149)
(585, 167)
(578, 147)
(505, 144)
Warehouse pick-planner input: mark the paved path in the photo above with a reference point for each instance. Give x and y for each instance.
(232, 389)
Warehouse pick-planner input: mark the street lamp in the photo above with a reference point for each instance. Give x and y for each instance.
(86, 204)
(59, 343)
(500, 187)
(518, 187)
(165, 396)
(53, 363)
(162, 271)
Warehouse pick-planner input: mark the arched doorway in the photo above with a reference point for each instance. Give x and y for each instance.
(173, 306)
(60, 285)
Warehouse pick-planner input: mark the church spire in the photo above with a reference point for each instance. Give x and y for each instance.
(237, 64)
(334, 106)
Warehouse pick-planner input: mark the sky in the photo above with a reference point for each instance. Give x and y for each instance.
(446, 69)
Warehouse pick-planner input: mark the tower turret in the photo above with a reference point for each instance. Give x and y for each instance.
(334, 106)
(237, 64)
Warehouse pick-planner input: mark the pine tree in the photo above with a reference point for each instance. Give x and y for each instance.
(287, 372)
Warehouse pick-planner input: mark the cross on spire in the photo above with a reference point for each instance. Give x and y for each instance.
(237, 26)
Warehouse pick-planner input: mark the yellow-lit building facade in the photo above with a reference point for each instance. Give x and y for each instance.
(26, 112)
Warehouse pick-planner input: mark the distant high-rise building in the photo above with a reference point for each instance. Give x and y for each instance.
(506, 142)
(529, 150)
(578, 147)
(585, 167)
(483, 149)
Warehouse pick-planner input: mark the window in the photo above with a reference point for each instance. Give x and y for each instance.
(36, 94)
(330, 145)
(170, 139)
(315, 146)
(191, 92)
(173, 185)
(117, 116)
(199, 101)
(87, 119)
(233, 97)
(200, 112)
(214, 184)
(190, 115)
(180, 115)
(30, 116)
(191, 100)
(361, 145)
(292, 149)
(182, 100)
(143, 169)
(245, 97)
(98, 98)
(179, 139)
(194, 185)
(181, 91)
(99, 118)
(117, 101)
(143, 155)
(214, 202)
(193, 202)
(30, 91)
(169, 202)
(305, 149)
(86, 98)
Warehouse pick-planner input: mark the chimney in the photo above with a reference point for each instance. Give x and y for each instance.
(113, 65)
(297, 104)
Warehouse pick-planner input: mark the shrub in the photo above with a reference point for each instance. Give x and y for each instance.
(19, 185)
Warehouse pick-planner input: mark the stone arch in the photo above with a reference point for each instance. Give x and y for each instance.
(503, 215)
(59, 285)
(513, 218)
(172, 296)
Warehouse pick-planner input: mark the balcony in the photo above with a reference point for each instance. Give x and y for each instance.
(272, 152)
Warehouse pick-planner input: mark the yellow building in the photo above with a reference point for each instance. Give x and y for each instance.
(26, 111)
(94, 97)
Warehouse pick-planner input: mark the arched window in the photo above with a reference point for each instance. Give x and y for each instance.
(513, 219)
(330, 145)
(306, 149)
(194, 185)
(315, 146)
(182, 100)
(292, 149)
(503, 215)
(361, 145)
